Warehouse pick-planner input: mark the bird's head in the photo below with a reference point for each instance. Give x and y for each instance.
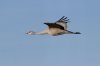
(30, 32)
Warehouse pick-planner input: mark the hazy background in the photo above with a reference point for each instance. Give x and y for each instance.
(20, 16)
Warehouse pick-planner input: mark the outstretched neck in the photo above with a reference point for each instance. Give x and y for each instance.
(38, 33)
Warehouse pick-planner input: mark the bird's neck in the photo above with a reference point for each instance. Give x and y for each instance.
(42, 32)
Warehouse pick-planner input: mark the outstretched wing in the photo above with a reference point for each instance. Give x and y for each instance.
(54, 25)
(63, 22)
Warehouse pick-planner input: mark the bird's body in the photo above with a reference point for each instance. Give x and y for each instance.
(54, 29)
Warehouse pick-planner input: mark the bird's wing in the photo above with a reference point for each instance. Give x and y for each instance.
(63, 22)
(63, 19)
(54, 25)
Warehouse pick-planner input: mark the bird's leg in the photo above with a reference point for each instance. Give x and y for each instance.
(70, 32)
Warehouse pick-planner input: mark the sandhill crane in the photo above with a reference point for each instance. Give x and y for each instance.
(57, 28)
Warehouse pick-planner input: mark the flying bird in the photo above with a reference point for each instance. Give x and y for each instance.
(59, 27)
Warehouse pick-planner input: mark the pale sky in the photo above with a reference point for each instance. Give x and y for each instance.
(20, 16)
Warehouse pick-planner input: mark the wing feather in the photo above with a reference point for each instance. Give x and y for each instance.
(63, 22)
(54, 25)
